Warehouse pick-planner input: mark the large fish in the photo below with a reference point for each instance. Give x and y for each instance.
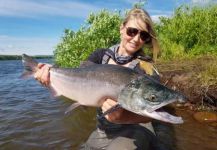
(91, 84)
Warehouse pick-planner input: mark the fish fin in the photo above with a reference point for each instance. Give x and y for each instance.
(72, 107)
(86, 64)
(30, 66)
(112, 109)
(26, 74)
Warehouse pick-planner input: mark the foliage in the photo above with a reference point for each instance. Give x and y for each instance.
(140, 4)
(19, 57)
(101, 30)
(10, 57)
(191, 31)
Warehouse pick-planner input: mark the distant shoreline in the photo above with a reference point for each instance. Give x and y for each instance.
(19, 57)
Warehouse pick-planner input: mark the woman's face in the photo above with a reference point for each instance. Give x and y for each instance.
(131, 44)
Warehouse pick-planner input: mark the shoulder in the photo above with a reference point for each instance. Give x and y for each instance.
(146, 65)
(97, 55)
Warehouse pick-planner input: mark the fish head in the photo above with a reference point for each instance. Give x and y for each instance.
(144, 93)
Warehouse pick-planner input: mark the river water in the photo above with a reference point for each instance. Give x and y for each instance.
(30, 118)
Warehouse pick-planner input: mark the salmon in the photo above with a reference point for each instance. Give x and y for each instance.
(91, 84)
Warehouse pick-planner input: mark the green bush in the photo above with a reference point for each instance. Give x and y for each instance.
(101, 31)
(190, 31)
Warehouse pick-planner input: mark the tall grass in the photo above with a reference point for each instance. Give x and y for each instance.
(208, 77)
(191, 31)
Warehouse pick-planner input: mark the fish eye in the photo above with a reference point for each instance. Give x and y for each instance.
(152, 98)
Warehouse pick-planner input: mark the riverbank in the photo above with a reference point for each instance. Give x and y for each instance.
(195, 78)
(19, 57)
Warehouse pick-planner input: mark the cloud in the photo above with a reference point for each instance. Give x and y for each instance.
(3, 37)
(17, 45)
(159, 12)
(32, 8)
(203, 1)
(129, 1)
(156, 18)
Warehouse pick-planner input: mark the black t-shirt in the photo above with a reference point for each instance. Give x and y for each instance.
(97, 56)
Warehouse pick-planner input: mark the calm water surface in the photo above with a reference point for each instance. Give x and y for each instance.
(30, 118)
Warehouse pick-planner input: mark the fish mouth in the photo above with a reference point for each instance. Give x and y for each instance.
(151, 109)
(166, 117)
(162, 116)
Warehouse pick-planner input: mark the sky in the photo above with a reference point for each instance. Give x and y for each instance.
(35, 27)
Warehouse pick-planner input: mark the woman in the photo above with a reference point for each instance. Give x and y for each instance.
(121, 129)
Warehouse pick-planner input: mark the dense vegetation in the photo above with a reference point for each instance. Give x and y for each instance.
(190, 32)
(18, 57)
(100, 30)
(10, 57)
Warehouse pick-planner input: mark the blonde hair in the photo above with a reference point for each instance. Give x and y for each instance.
(140, 14)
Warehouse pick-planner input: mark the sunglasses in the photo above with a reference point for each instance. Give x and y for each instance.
(144, 36)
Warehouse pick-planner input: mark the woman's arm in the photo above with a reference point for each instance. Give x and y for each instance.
(122, 116)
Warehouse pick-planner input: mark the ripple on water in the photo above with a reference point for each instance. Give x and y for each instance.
(31, 119)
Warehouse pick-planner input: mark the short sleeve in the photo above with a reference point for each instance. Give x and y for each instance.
(97, 56)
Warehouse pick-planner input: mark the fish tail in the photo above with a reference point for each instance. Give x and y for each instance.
(30, 66)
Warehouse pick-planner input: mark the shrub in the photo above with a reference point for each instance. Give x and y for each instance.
(101, 30)
(189, 29)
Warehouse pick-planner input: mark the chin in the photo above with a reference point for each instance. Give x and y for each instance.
(132, 50)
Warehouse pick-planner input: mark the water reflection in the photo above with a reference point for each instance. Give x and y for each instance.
(188, 136)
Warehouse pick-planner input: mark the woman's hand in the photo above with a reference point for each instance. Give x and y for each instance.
(121, 115)
(115, 115)
(42, 74)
